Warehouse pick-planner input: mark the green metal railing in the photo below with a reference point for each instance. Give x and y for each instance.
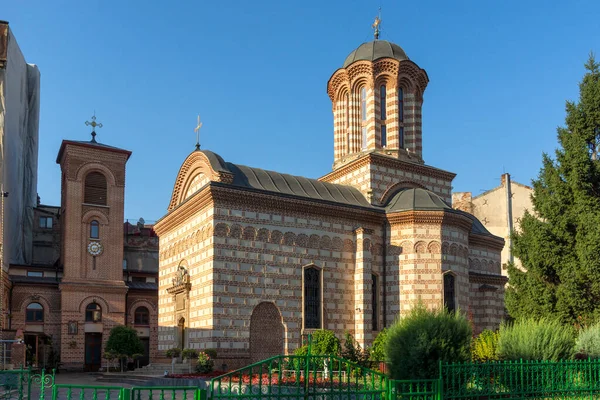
(166, 393)
(15, 384)
(425, 389)
(522, 380)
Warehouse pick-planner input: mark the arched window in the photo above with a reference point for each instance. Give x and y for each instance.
(383, 114)
(141, 316)
(95, 229)
(363, 116)
(400, 104)
(312, 298)
(93, 313)
(95, 189)
(34, 313)
(347, 122)
(449, 292)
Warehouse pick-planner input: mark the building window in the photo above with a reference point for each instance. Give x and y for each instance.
(138, 279)
(449, 292)
(347, 126)
(46, 222)
(142, 316)
(124, 264)
(34, 313)
(35, 274)
(95, 230)
(375, 301)
(383, 136)
(401, 137)
(93, 313)
(382, 105)
(400, 104)
(363, 103)
(312, 298)
(95, 189)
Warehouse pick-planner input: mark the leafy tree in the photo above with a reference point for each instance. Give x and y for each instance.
(378, 348)
(559, 243)
(124, 342)
(324, 342)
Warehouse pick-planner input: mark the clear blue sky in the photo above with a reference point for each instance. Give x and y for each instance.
(256, 71)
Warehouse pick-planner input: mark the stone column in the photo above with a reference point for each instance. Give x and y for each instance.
(363, 312)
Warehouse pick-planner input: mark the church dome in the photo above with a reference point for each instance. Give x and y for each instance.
(371, 51)
(417, 199)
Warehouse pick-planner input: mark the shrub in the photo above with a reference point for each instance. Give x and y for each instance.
(173, 352)
(324, 342)
(377, 352)
(485, 346)
(353, 351)
(588, 342)
(530, 339)
(205, 363)
(211, 352)
(189, 354)
(418, 341)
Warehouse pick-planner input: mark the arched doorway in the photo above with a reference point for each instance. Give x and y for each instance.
(181, 333)
(266, 332)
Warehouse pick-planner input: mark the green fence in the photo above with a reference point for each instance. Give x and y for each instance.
(14, 384)
(425, 389)
(522, 380)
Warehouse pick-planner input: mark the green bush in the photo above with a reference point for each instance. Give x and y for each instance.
(124, 342)
(588, 342)
(531, 339)
(377, 352)
(352, 351)
(173, 352)
(205, 363)
(485, 346)
(324, 342)
(189, 354)
(418, 341)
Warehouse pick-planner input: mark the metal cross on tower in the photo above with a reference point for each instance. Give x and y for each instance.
(93, 124)
(197, 130)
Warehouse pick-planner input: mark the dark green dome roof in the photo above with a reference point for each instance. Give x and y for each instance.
(375, 50)
(417, 199)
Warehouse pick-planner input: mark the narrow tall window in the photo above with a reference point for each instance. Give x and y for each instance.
(375, 301)
(382, 105)
(347, 126)
(363, 116)
(93, 313)
(401, 137)
(95, 189)
(312, 298)
(449, 292)
(383, 136)
(34, 313)
(94, 230)
(400, 104)
(142, 316)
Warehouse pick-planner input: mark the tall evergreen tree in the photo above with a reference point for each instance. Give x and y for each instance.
(559, 243)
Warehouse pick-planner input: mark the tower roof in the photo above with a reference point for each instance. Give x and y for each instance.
(371, 51)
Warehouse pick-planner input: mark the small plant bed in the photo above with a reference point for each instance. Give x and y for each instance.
(194, 375)
(274, 379)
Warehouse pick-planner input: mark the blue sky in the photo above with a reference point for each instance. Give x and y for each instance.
(256, 71)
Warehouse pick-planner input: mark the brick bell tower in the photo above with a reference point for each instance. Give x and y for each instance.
(92, 287)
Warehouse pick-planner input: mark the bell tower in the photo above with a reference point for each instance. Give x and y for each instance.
(376, 99)
(92, 213)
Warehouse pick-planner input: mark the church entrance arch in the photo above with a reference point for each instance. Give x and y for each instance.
(266, 332)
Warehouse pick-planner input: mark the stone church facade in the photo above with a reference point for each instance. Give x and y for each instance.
(250, 261)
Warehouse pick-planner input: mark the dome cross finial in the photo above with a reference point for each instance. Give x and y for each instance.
(94, 124)
(376, 24)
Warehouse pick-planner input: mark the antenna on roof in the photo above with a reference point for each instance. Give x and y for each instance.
(376, 24)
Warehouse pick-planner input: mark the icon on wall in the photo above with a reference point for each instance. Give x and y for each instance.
(72, 327)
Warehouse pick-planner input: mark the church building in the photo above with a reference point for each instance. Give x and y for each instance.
(251, 261)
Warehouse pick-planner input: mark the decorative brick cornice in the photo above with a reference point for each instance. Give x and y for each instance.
(491, 279)
(493, 242)
(181, 288)
(363, 231)
(441, 217)
(388, 162)
(201, 199)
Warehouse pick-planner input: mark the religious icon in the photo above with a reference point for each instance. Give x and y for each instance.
(72, 327)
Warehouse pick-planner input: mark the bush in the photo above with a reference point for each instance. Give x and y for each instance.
(485, 346)
(588, 342)
(324, 342)
(123, 342)
(205, 363)
(173, 352)
(211, 352)
(418, 341)
(530, 339)
(189, 354)
(352, 351)
(377, 352)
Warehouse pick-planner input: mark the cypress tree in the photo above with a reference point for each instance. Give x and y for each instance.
(559, 242)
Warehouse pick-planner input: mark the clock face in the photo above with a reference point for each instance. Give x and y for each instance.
(95, 248)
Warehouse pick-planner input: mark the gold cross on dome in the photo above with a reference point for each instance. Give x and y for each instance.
(376, 24)
(93, 124)
(197, 130)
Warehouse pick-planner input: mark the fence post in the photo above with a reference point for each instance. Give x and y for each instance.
(440, 390)
(125, 394)
(201, 394)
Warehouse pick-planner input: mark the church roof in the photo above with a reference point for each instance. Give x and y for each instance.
(371, 51)
(89, 143)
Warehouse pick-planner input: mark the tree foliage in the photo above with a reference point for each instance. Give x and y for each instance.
(588, 342)
(559, 242)
(124, 342)
(484, 347)
(418, 341)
